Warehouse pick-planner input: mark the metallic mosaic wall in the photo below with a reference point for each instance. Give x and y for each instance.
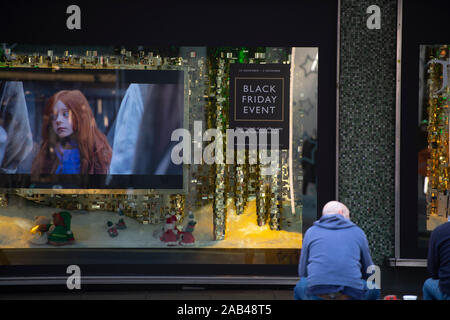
(367, 121)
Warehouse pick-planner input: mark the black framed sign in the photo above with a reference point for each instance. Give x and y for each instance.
(259, 98)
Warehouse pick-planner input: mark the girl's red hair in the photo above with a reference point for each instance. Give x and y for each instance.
(95, 151)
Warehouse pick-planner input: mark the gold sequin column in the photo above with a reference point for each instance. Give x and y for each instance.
(438, 136)
(218, 72)
(262, 204)
(275, 203)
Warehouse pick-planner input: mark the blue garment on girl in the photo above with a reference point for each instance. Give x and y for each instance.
(69, 160)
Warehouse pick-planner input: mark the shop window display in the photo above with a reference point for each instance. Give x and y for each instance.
(433, 140)
(87, 148)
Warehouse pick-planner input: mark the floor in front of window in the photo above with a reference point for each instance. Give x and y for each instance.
(196, 294)
(155, 295)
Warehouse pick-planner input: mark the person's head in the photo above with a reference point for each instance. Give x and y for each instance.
(67, 114)
(336, 207)
(62, 122)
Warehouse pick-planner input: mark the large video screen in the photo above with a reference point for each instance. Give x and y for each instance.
(84, 129)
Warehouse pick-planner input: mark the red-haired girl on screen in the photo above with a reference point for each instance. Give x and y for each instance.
(71, 142)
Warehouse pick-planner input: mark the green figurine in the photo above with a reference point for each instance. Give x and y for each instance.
(59, 232)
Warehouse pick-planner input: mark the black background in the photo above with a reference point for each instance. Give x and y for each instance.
(308, 23)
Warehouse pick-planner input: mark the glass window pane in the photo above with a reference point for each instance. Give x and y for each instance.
(106, 147)
(433, 141)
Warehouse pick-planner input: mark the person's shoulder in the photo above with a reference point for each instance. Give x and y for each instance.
(443, 228)
(358, 231)
(311, 231)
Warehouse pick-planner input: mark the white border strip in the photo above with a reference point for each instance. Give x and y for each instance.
(397, 127)
(291, 133)
(231, 280)
(337, 98)
(420, 263)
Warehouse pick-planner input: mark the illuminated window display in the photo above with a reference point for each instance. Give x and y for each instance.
(433, 143)
(133, 149)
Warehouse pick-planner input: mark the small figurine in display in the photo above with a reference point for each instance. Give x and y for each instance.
(170, 235)
(39, 231)
(59, 233)
(187, 237)
(121, 224)
(112, 230)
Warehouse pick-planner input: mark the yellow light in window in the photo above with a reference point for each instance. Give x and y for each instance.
(34, 229)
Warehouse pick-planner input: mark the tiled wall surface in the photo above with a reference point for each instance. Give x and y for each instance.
(367, 121)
